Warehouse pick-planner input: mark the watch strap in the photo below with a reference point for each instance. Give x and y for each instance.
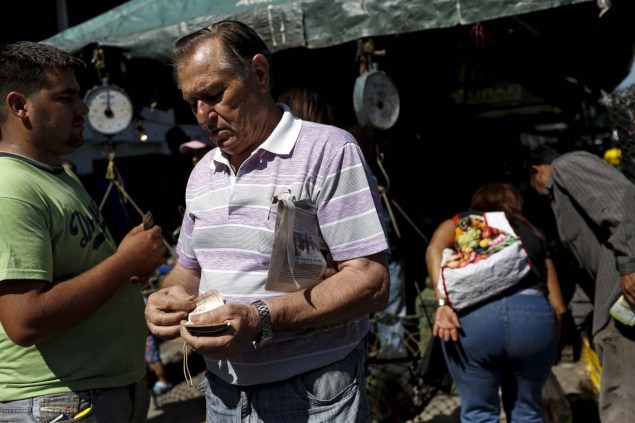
(266, 334)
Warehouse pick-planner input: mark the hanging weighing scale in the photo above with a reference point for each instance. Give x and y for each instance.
(376, 99)
(111, 109)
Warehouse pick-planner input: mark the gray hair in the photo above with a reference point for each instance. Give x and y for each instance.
(240, 44)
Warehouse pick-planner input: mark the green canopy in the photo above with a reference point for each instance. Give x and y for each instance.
(148, 28)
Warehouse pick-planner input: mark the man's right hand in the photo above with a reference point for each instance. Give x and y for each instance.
(165, 310)
(143, 251)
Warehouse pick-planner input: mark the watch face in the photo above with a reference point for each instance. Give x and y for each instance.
(376, 100)
(110, 109)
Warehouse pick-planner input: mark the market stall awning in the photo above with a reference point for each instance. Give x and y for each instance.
(148, 28)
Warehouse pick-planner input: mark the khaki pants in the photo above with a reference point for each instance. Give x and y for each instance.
(615, 347)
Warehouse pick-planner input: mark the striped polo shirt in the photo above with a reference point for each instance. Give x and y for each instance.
(228, 228)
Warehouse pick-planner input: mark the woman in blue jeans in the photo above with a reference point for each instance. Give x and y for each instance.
(507, 343)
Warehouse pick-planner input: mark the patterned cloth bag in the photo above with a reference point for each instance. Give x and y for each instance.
(487, 258)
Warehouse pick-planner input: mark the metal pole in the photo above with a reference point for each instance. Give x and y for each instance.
(62, 15)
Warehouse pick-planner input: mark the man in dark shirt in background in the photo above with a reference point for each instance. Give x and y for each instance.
(594, 208)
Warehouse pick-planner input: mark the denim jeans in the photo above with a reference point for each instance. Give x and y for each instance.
(508, 344)
(331, 394)
(127, 404)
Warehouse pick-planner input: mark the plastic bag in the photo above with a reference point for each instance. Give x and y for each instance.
(487, 259)
(592, 366)
(555, 402)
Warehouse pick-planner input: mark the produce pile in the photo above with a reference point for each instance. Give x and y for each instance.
(475, 240)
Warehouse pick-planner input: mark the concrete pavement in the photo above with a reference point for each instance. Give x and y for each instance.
(182, 403)
(185, 404)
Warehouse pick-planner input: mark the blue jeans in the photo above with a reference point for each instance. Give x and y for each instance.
(508, 344)
(127, 404)
(331, 394)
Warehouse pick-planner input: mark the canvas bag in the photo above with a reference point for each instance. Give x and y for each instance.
(487, 259)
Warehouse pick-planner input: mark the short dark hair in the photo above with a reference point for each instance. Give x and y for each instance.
(24, 66)
(238, 40)
(542, 155)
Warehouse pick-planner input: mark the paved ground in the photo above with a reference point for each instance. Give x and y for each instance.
(185, 404)
(446, 408)
(182, 403)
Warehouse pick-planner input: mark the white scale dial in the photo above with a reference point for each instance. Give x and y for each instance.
(376, 100)
(110, 107)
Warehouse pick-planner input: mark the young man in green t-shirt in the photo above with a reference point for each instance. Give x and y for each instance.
(73, 332)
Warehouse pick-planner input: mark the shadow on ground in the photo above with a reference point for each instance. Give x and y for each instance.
(583, 409)
(188, 411)
(182, 403)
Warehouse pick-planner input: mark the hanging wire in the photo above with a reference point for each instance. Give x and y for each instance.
(110, 174)
(186, 367)
(116, 180)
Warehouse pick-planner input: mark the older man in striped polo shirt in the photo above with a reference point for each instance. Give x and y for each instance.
(296, 356)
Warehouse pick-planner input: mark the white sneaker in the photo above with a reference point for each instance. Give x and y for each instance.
(160, 388)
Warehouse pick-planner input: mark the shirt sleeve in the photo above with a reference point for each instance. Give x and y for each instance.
(349, 207)
(25, 245)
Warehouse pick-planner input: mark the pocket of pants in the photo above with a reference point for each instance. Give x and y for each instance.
(330, 384)
(69, 404)
(202, 385)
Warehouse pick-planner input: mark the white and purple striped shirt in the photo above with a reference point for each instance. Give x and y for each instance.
(228, 229)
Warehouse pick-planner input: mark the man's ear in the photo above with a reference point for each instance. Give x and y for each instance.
(260, 70)
(16, 103)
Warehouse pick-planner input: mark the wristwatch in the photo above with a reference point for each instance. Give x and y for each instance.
(265, 323)
(442, 302)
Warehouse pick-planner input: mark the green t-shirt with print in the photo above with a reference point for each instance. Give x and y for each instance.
(52, 230)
